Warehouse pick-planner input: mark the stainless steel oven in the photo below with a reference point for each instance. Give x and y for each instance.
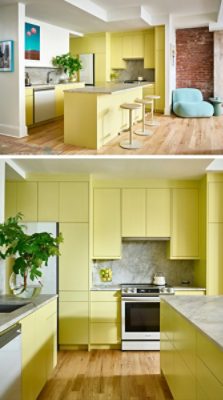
(141, 317)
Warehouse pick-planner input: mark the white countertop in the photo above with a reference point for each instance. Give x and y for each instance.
(109, 88)
(205, 312)
(30, 305)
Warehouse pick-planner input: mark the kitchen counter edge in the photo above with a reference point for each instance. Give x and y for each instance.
(7, 320)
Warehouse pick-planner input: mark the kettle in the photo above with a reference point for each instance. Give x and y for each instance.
(159, 279)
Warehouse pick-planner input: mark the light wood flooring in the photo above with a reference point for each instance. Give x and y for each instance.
(106, 375)
(174, 136)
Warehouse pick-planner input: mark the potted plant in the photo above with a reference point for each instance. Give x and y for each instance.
(70, 64)
(31, 252)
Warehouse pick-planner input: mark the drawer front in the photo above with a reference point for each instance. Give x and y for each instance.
(73, 296)
(101, 312)
(106, 296)
(105, 333)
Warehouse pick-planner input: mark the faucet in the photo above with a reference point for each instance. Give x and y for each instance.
(48, 79)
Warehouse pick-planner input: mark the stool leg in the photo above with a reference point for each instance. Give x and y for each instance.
(152, 121)
(130, 144)
(143, 131)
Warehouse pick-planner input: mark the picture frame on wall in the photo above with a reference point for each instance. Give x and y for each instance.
(6, 56)
(32, 42)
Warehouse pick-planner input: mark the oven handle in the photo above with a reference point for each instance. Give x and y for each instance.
(141, 299)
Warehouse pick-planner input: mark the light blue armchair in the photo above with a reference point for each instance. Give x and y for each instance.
(189, 103)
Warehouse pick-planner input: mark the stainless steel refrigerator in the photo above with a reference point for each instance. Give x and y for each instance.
(87, 73)
(50, 272)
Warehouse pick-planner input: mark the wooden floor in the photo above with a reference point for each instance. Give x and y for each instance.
(106, 375)
(174, 136)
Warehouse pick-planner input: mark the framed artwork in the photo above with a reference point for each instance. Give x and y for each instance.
(7, 56)
(32, 41)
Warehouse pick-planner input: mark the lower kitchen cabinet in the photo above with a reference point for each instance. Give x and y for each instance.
(105, 318)
(29, 106)
(73, 319)
(191, 363)
(190, 292)
(39, 349)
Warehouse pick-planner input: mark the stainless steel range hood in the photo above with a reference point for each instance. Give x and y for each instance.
(162, 239)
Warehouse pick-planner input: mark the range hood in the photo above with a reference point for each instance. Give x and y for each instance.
(129, 239)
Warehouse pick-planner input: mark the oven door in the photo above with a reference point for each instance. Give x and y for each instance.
(141, 318)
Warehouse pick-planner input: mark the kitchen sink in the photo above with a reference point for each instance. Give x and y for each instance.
(7, 308)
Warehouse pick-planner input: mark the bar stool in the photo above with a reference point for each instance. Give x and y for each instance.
(152, 121)
(143, 131)
(130, 143)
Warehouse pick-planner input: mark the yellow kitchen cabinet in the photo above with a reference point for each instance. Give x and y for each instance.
(73, 322)
(133, 212)
(149, 49)
(105, 317)
(29, 106)
(27, 200)
(133, 45)
(100, 70)
(184, 243)
(48, 201)
(106, 223)
(158, 213)
(117, 61)
(73, 202)
(160, 67)
(59, 95)
(73, 267)
(215, 202)
(39, 351)
(215, 259)
(10, 200)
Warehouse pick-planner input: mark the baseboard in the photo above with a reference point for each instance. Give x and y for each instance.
(105, 347)
(11, 130)
(73, 347)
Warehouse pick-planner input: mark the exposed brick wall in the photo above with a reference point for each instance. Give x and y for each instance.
(195, 59)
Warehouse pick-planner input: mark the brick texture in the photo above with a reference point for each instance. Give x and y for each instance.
(195, 60)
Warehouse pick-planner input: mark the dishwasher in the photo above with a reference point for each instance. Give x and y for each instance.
(44, 104)
(10, 363)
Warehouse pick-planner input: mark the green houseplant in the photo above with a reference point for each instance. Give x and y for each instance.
(70, 64)
(31, 252)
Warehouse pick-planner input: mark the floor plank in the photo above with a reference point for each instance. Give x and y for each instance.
(176, 136)
(106, 375)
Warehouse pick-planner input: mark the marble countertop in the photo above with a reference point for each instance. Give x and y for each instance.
(46, 86)
(205, 312)
(101, 287)
(109, 88)
(30, 305)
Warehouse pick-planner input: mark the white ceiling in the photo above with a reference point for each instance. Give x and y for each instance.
(87, 16)
(113, 168)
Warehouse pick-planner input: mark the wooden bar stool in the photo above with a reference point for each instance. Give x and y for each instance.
(152, 121)
(130, 143)
(143, 131)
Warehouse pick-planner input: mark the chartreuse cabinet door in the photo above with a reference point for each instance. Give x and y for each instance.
(133, 212)
(107, 223)
(185, 224)
(73, 204)
(48, 201)
(27, 200)
(158, 213)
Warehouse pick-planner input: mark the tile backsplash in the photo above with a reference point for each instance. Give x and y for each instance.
(140, 261)
(39, 75)
(135, 68)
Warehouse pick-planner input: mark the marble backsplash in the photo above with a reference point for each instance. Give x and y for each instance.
(39, 75)
(140, 261)
(135, 68)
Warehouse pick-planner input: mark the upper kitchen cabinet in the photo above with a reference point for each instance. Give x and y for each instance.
(149, 49)
(215, 202)
(184, 242)
(117, 61)
(73, 202)
(133, 212)
(133, 45)
(107, 223)
(48, 201)
(21, 197)
(10, 199)
(158, 213)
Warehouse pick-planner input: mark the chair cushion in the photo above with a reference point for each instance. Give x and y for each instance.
(189, 109)
(187, 94)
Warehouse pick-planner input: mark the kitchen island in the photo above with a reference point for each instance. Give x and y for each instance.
(92, 115)
(192, 346)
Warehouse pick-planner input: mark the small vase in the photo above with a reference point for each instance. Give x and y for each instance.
(73, 78)
(32, 289)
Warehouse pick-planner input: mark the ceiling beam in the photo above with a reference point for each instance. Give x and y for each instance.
(90, 7)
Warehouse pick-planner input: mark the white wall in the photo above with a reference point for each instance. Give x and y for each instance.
(12, 99)
(53, 41)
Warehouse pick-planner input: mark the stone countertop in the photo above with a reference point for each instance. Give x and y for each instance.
(109, 88)
(185, 288)
(205, 312)
(46, 86)
(105, 288)
(30, 305)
